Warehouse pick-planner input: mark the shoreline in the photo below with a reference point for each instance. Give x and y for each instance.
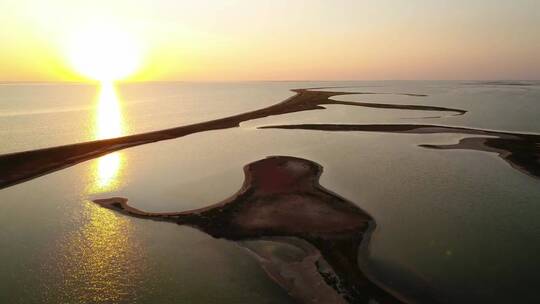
(282, 201)
(23, 166)
(520, 151)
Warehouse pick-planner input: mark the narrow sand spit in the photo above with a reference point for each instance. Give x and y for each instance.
(22, 166)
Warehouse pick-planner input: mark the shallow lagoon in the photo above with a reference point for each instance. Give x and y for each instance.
(463, 221)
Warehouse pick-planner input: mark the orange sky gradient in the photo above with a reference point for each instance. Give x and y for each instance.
(281, 40)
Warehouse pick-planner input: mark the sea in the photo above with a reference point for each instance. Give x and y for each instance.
(464, 222)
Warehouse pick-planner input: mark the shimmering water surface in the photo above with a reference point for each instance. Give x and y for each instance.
(463, 221)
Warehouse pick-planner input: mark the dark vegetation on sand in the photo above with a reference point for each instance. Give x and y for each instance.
(281, 200)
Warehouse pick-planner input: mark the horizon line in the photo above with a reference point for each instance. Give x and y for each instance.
(258, 80)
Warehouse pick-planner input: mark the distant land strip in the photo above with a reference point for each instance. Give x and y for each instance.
(521, 151)
(23, 166)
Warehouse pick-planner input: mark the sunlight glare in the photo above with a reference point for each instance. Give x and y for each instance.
(108, 116)
(108, 124)
(104, 53)
(108, 168)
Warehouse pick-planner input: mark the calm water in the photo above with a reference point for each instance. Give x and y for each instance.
(463, 221)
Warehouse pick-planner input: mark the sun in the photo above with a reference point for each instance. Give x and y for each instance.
(104, 53)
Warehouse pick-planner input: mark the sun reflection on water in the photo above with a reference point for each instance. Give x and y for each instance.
(100, 260)
(108, 114)
(109, 124)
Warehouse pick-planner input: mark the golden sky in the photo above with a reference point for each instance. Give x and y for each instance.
(220, 40)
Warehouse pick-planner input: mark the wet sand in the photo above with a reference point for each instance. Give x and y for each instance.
(22, 166)
(281, 201)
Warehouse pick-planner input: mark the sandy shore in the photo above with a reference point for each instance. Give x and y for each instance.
(282, 201)
(19, 167)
